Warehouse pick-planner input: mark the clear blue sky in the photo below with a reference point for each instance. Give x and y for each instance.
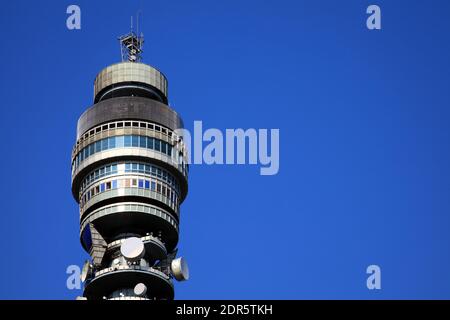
(364, 125)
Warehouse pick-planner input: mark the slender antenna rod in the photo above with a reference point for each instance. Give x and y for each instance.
(139, 18)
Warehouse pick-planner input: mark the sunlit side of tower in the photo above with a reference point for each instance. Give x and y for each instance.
(130, 176)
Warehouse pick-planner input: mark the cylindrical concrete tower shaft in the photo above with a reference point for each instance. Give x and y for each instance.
(130, 176)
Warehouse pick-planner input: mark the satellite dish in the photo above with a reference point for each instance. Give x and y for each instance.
(180, 269)
(132, 249)
(86, 271)
(140, 289)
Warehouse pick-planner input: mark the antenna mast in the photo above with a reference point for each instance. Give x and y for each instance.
(131, 44)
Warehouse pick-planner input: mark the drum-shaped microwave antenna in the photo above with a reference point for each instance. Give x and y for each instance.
(180, 269)
(132, 249)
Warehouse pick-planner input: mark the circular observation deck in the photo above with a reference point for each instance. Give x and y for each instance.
(130, 79)
(114, 278)
(131, 217)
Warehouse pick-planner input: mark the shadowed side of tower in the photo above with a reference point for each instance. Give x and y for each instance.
(129, 176)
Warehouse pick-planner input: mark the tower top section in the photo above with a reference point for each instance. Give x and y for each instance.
(130, 79)
(131, 46)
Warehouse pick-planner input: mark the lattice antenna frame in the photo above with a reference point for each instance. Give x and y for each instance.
(131, 45)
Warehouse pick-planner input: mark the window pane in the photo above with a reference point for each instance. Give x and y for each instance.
(91, 149)
(135, 141)
(111, 142)
(143, 142)
(119, 141)
(150, 143)
(127, 141)
(104, 144)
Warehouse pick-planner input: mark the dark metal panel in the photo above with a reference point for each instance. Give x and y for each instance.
(123, 108)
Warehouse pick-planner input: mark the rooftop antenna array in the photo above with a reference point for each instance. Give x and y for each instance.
(132, 43)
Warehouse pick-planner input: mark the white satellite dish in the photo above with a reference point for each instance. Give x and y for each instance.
(140, 289)
(86, 271)
(132, 249)
(180, 269)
